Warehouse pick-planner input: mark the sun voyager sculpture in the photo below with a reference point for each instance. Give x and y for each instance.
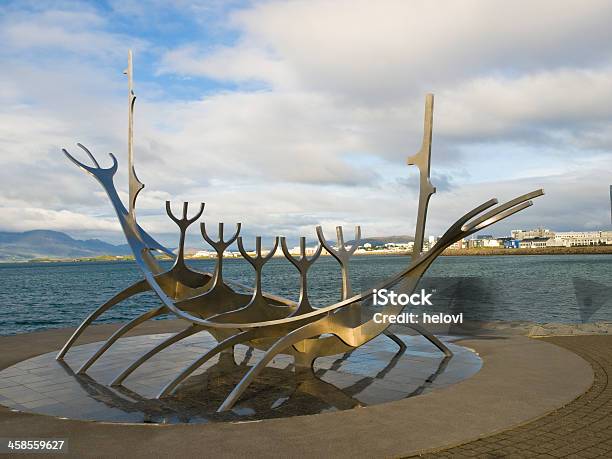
(207, 302)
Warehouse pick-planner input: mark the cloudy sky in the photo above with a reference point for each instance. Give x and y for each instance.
(285, 115)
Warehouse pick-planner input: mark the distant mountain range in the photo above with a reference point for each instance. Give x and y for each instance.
(53, 244)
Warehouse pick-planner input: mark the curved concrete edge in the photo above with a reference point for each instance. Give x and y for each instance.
(521, 379)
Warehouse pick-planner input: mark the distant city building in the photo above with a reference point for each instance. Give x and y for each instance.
(527, 234)
(399, 246)
(458, 245)
(309, 251)
(492, 242)
(211, 254)
(533, 243)
(537, 238)
(474, 243)
(542, 237)
(581, 238)
(483, 241)
(389, 247)
(509, 243)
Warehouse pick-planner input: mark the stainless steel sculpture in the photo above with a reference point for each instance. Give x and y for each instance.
(209, 303)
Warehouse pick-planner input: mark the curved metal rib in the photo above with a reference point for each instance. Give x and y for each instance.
(501, 212)
(189, 331)
(229, 342)
(119, 333)
(393, 337)
(433, 339)
(290, 339)
(138, 287)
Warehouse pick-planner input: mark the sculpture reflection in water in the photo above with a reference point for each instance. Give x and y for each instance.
(371, 376)
(224, 309)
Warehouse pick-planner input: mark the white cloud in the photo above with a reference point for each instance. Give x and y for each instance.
(394, 48)
(499, 74)
(30, 218)
(75, 30)
(237, 64)
(328, 105)
(566, 99)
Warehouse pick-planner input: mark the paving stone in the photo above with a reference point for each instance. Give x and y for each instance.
(581, 429)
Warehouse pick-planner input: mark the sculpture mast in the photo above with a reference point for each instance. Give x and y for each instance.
(134, 185)
(423, 161)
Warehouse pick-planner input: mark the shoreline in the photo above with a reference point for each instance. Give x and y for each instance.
(476, 252)
(582, 250)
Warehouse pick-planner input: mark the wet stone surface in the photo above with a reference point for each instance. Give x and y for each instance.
(377, 372)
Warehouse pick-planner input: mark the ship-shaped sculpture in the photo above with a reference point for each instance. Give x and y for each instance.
(208, 303)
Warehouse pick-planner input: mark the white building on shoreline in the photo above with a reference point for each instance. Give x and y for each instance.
(528, 234)
(580, 238)
(542, 237)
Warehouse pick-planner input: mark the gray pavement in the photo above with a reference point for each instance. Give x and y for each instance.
(522, 379)
(581, 429)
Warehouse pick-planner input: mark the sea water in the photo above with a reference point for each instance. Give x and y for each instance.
(538, 288)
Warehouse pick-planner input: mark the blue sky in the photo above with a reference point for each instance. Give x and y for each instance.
(285, 115)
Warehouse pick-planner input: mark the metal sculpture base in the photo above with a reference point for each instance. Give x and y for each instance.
(378, 372)
(274, 325)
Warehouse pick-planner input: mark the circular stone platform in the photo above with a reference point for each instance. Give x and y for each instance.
(521, 379)
(377, 372)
